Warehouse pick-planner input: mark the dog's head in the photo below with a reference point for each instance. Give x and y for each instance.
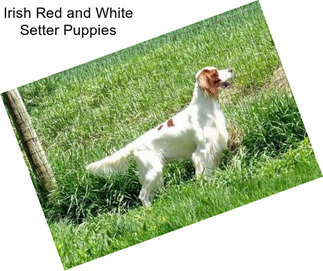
(211, 80)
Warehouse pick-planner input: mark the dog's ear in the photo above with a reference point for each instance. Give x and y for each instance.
(208, 80)
(202, 81)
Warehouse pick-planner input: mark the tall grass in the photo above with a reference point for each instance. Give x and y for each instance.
(183, 204)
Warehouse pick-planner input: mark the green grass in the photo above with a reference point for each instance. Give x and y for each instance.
(183, 204)
(85, 113)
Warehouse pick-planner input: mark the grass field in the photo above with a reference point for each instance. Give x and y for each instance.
(85, 113)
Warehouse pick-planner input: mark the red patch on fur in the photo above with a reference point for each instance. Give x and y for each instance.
(159, 128)
(209, 81)
(170, 123)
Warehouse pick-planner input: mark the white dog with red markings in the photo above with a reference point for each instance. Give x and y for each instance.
(198, 132)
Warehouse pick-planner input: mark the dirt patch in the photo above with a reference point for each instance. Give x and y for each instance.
(278, 80)
(235, 137)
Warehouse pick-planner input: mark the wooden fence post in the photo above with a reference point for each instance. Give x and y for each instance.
(29, 139)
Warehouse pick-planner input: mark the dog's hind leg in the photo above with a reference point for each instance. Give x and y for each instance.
(150, 167)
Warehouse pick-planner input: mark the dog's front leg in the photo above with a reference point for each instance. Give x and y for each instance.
(199, 163)
(204, 160)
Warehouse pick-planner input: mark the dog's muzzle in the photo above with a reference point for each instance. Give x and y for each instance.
(226, 84)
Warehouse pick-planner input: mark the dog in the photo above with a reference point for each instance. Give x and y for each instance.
(198, 133)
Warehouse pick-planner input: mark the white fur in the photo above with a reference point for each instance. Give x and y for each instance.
(199, 133)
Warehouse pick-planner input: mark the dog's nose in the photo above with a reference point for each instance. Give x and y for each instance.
(230, 70)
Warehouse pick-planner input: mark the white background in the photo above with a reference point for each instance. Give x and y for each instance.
(281, 232)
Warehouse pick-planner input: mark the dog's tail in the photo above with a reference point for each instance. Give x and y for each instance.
(116, 162)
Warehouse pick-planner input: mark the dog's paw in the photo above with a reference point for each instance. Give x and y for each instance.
(92, 168)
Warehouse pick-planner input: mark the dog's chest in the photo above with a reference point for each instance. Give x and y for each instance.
(211, 117)
(212, 126)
